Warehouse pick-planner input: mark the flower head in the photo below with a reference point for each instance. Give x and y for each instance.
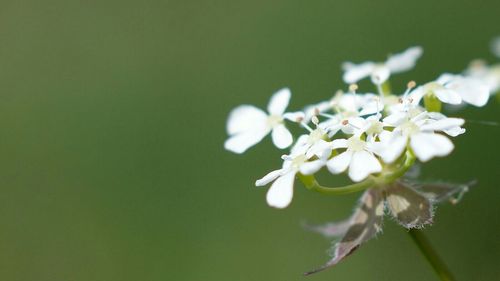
(374, 139)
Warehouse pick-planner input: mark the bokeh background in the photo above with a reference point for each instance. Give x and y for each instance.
(112, 123)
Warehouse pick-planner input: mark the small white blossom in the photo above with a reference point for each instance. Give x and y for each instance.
(455, 89)
(488, 75)
(247, 125)
(420, 132)
(380, 72)
(280, 193)
(358, 157)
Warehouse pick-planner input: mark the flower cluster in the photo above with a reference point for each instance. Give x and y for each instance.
(374, 138)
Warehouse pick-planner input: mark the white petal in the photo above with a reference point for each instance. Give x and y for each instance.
(436, 115)
(339, 163)
(239, 143)
(389, 150)
(353, 73)
(279, 101)
(245, 118)
(455, 131)
(416, 95)
(363, 163)
(443, 124)
(318, 149)
(294, 116)
(372, 107)
(311, 110)
(428, 145)
(281, 191)
(380, 74)
(396, 118)
(300, 146)
(404, 61)
(312, 167)
(448, 96)
(339, 143)
(282, 138)
(446, 78)
(472, 91)
(269, 177)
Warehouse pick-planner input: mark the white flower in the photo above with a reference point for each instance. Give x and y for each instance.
(455, 89)
(280, 193)
(247, 125)
(419, 131)
(488, 75)
(495, 46)
(350, 107)
(358, 157)
(380, 72)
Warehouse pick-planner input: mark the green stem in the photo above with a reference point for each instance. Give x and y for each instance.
(431, 255)
(310, 182)
(408, 162)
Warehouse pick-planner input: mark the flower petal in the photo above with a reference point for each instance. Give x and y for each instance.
(443, 124)
(380, 74)
(471, 90)
(429, 145)
(353, 73)
(282, 138)
(363, 163)
(319, 149)
(281, 191)
(245, 118)
(339, 143)
(269, 177)
(279, 101)
(294, 116)
(389, 150)
(241, 142)
(448, 96)
(339, 163)
(404, 61)
(455, 131)
(309, 168)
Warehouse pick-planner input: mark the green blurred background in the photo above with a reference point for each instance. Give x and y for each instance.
(112, 123)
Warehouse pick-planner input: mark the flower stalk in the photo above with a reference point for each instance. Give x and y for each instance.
(430, 254)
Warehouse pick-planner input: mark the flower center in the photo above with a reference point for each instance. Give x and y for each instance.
(299, 160)
(274, 120)
(376, 127)
(409, 128)
(355, 144)
(315, 136)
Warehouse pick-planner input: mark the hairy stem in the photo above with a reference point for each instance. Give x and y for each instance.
(430, 254)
